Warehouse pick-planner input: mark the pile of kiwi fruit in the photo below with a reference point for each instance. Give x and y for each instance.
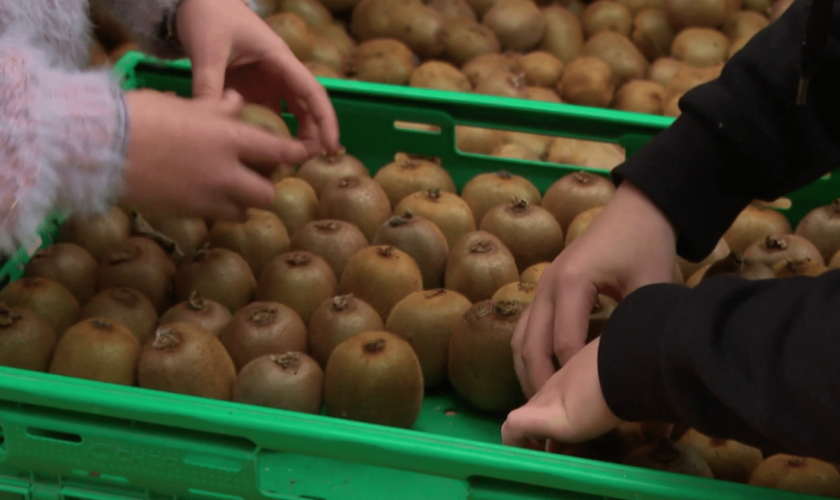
(362, 288)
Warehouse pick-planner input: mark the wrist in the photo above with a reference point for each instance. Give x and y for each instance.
(630, 200)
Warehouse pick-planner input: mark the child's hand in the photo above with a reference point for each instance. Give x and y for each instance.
(187, 156)
(230, 46)
(569, 408)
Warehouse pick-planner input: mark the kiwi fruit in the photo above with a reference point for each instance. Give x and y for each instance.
(290, 381)
(312, 12)
(689, 77)
(381, 275)
(374, 377)
(371, 19)
(541, 94)
(652, 33)
(96, 233)
(26, 340)
(541, 69)
(186, 359)
(50, 300)
(591, 154)
(478, 140)
(729, 460)
(216, 274)
(600, 314)
(382, 60)
(407, 175)
(337, 34)
(197, 310)
(821, 226)
(515, 151)
(484, 66)
(447, 211)
(798, 474)
(335, 241)
(733, 264)
(779, 247)
(480, 364)
(265, 118)
(762, 6)
(798, 267)
(538, 144)
(700, 13)
(298, 279)
(426, 320)
(624, 59)
(663, 70)
(478, 265)
(700, 47)
(606, 15)
(640, 96)
(127, 307)
(329, 53)
(563, 34)
(720, 251)
(420, 28)
(422, 240)
(323, 170)
(295, 202)
(531, 233)
(736, 45)
(518, 24)
(339, 5)
(465, 39)
(517, 291)
(636, 6)
(138, 263)
(453, 9)
(753, 224)
(68, 264)
(358, 200)
(97, 349)
(263, 328)
(439, 75)
(668, 456)
(778, 8)
(258, 240)
(294, 31)
(587, 81)
(485, 191)
(318, 69)
(574, 193)
(533, 274)
(502, 84)
(188, 232)
(744, 24)
(336, 320)
(581, 222)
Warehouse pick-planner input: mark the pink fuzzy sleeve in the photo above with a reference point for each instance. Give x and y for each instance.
(62, 141)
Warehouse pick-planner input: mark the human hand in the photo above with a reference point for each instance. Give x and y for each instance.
(629, 245)
(186, 157)
(569, 408)
(230, 46)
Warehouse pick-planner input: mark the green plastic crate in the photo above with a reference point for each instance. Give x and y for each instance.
(69, 439)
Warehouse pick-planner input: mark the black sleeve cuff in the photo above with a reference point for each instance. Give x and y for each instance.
(693, 177)
(629, 366)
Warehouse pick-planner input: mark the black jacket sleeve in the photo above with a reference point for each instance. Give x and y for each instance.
(743, 136)
(756, 361)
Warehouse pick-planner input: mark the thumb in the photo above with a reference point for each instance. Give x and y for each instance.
(208, 71)
(534, 423)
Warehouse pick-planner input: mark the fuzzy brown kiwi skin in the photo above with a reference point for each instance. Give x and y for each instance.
(68, 264)
(382, 60)
(587, 81)
(777, 247)
(798, 474)
(518, 24)
(188, 233)
(426, 320)
(97, 234)
(563, 35)
(359, 200)
(258, 240)
(480, 364)
(729, 460)
(374, 377)
(606, 15)
(447, 211)
(720, 251)
(821, 226)
(295, 202)
(320, 171)
(422, 240)
(516, 292)
(208, 270)
(48, 299)
(263, 327)
(336, 320)
(485, 191)
(127, 307)
(141, 264)
(668, 456)
(466, 40)
(381, 276)
(532, 234)
(97, 349)
(300, 280)
(291, 381)
(205, 313)
(407, 175)
(533, 274)
(625, 59)
(478, 265)
(574, 193)
(754, 224)
(26, 341)
(186, 359)
(333, 240)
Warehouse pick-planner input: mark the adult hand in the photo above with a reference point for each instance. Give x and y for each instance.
(569, 408)
(629, 245)
(230, 46)
(188, 156)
